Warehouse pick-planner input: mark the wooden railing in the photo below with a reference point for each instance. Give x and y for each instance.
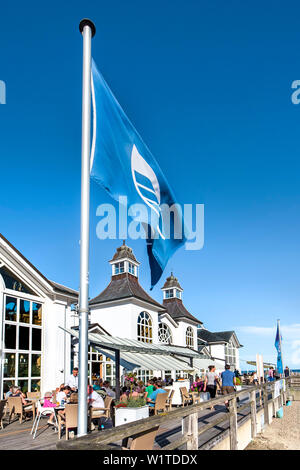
(189, 417)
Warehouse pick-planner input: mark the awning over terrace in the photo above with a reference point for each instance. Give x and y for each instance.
(132, 354)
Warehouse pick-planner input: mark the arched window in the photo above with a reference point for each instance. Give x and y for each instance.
(164, 334)
(144, 328)
(189, 337)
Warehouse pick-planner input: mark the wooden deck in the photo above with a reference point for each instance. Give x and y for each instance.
(16, 436)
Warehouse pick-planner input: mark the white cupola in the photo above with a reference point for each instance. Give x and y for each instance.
(124, 261)
(172, 288)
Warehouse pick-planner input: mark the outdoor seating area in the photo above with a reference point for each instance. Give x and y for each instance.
(57, 410)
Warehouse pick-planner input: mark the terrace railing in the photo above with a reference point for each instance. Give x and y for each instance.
(260, 398)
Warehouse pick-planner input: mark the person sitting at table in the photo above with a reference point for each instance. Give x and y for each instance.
(60, 394)
(124, 394)
(152, 397)
(17, 392)
(108, 389)
(150, 388)
(94, 399)
(10, 391)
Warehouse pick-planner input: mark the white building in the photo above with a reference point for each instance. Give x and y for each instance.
(36, 353)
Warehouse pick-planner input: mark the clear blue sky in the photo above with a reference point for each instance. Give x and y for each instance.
(208, 86)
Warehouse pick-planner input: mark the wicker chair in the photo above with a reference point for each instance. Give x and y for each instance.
(16, 407)
(69, 421)
(169, 400)
(186, 397)
(97, 413)
(160, 403)
(143, 440)
(2, 411)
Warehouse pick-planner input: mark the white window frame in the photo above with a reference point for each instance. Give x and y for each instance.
(17, 351)
(189, 337)
(142, 323)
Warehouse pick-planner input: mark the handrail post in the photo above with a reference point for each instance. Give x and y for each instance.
(266, 406)
(233, 424)
(190, 428)
(274, 403)
(253, 413)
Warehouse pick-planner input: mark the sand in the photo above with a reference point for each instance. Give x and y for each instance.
(282, 434)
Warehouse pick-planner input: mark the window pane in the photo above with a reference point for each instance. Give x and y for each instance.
(35, 385)
(23, 365)
(23, 384)
(23, 337)
(24, 311)
(11, 309)
(10, 336)
(36, 339)
(36, 314)
(9, 365)
(7, 384)
(35, 365)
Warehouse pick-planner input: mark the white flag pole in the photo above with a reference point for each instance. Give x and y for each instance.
(87, 28)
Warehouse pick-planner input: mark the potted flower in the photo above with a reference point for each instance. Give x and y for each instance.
(133, 409)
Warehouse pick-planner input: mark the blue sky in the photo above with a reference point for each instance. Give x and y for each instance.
(208, 86)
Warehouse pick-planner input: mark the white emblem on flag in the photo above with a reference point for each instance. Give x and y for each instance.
(150, 191)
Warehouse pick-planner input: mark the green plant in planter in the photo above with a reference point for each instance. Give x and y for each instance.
(132, 402)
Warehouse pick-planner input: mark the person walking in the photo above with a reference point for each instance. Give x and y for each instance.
(210, 383)
(228, 383)
(271, 374)
(286, 372)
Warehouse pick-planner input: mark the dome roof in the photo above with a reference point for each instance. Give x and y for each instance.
(171, 282)
(124, 251)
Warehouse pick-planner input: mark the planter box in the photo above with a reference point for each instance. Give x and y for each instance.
(128, 415)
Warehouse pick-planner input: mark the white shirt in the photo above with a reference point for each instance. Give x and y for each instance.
(73, 381)
(98, 401)
(60, 396)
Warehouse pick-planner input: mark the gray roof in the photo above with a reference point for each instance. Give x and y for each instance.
(216, 337)
(177, 310)
(124, 286)
(63, 289)
(209, 337)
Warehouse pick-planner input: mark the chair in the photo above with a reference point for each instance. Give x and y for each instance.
(2, 411)
(97, 413)
(34, 395)
(143, 440)
(169, 400)
(41, 412)
(16, 407)
(160, 403)
(70, 420)
(186, 397)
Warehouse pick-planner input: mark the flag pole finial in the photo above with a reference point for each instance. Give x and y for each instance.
(87, 22)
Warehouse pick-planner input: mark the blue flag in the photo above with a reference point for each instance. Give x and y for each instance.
(278, 340)
(124, 166)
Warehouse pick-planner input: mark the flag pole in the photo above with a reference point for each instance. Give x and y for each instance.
(87, 29)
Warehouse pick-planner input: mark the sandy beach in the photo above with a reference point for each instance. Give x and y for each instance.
(282, 434)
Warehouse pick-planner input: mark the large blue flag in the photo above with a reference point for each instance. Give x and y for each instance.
(278, 340)
(124, 166)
